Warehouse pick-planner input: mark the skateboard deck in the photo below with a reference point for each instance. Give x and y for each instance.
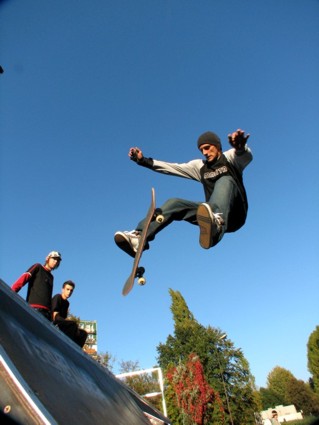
(137, 271)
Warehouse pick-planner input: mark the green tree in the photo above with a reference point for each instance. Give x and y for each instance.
(143, 384)
(284, 388)
(74, 318)
(313, 358)
(300, 394)
(277, 381)
(129, 366)
(269, 398)
(225, 368)
(106, 359)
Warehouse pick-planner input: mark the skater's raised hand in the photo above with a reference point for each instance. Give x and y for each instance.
(238, 139)
(135, 154)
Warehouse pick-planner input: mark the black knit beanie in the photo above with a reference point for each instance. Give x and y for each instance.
(209, 138)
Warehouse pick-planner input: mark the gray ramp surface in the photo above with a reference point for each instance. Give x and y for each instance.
(46, 378)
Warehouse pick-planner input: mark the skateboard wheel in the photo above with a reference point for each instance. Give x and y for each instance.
(141, 281)
(160, 218)
(158, 215)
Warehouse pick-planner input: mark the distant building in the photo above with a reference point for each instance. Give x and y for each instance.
(90, 326)
(285, 413)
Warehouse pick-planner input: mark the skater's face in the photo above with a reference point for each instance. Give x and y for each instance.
(210, 152)
(67, 291)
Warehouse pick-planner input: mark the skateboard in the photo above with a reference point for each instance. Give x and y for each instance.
(138, 271)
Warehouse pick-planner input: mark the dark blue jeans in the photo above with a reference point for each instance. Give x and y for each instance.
(222, 200)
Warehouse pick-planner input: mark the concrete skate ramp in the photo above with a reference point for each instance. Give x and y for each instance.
(45, 378)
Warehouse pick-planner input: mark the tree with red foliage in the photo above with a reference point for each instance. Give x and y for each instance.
(225, 368)
(194, 395)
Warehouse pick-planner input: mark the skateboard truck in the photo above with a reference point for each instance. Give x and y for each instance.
(140, 276)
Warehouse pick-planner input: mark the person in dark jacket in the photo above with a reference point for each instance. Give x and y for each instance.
(225, 207)
(40, 283)
(60, 311)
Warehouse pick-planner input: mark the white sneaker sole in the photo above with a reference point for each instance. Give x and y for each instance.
(123, 242)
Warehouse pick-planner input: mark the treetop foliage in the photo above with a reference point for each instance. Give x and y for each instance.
(224, 367)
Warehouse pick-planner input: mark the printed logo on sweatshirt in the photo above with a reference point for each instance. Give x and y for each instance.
(215, 173)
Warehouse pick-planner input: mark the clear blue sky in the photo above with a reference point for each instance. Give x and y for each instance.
(86, 80)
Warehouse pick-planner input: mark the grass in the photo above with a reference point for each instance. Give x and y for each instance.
(308, 420)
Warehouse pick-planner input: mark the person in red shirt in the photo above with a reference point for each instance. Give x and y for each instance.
(40, 283)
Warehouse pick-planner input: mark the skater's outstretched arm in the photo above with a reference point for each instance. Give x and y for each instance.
(136, 155)
(189, 170)
(240, 156)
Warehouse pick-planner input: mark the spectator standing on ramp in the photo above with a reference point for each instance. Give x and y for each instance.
(221, 174)
(60, 310)
(40, 284)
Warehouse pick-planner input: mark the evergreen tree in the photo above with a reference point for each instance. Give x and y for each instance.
(225, 368)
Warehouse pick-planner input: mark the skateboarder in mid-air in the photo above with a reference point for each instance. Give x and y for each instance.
(225, 207)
